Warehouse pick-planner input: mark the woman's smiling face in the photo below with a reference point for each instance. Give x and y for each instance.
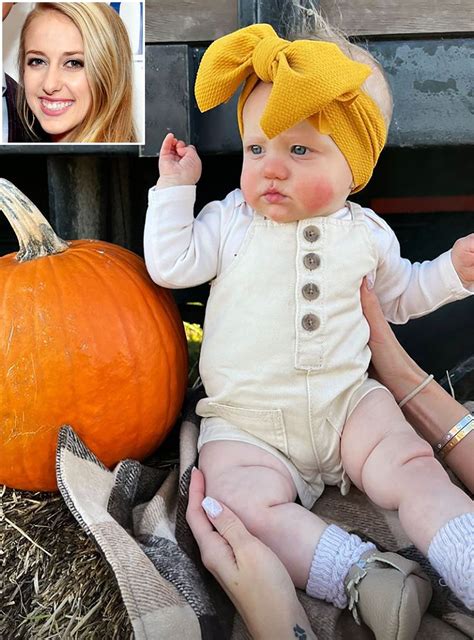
(56, 86)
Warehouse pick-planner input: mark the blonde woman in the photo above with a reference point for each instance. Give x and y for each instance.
(75, 74)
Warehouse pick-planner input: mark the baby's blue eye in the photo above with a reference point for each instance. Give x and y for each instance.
(299, 149)
(255, 149)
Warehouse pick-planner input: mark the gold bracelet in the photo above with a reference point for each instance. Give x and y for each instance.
(456, 440)
(455, 435)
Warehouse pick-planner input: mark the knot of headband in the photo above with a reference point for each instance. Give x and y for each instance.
(311, 79)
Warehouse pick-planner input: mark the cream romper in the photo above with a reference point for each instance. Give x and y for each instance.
(284, 356)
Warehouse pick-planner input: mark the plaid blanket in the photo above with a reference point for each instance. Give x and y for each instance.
(136, 515)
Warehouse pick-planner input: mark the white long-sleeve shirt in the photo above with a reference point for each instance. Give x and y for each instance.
(181, 251)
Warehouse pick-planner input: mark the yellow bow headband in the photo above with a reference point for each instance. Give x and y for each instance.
(311, 79)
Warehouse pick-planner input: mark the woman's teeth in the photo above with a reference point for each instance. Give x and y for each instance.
(56, 106)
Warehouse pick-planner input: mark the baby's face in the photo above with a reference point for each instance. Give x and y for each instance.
(298, 174)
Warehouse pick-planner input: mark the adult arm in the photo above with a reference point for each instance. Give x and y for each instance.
(249, 572)
(432, 411)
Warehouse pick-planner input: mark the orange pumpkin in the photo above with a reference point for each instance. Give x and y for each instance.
(87, 339)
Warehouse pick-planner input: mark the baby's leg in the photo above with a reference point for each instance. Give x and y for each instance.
(259, 489)
(387, 460)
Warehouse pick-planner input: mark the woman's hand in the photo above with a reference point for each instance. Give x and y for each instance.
(391, 365)
(249, 572)
(179, 163)
(432, 411)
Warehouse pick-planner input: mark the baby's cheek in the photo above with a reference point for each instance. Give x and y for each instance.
(248, 184)
(317, 195)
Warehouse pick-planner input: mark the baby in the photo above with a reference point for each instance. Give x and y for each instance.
(289, 406)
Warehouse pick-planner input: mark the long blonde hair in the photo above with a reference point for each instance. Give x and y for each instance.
(108, 67)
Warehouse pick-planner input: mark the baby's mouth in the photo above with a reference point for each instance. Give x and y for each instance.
(273, 196)
(55, 107)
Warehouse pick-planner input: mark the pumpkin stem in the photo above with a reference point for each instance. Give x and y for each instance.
(34, 233)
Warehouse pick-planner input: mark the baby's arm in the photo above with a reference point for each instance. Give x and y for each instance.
(410, 290)
(179, 250)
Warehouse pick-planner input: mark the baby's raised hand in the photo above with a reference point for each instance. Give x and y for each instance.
(462, 255)
(179, 163)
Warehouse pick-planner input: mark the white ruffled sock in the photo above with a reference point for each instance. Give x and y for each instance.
(335, 554)
(451, 553)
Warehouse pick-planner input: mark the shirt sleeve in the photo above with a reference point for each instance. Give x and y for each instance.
(410, 290)
(181, 251)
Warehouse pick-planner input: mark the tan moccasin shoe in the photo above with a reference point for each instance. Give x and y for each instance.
(388, 593)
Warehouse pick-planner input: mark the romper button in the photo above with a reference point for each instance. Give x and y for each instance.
(310, 291)
(311, 233)
(311, 261)
(310, 322)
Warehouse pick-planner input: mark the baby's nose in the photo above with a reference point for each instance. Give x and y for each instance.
(275, 168)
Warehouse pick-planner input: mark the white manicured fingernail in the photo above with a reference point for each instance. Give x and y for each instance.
(370, 281)
(211, 507)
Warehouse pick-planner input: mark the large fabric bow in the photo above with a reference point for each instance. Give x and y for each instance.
(311, 79)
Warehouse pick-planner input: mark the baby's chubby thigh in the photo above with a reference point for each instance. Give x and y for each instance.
(247, 479)
(376, 445)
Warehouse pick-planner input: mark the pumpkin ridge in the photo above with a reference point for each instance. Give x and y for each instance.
(4, 401)
(34, 278)
(165, 343)
(91, 265)
(26, 471)
(117, 261)
(67, 352)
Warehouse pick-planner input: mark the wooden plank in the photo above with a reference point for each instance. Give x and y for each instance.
(168, 96)
(205, 20)
(431, 81)
(189, 20)
(89, 197)
(384, 17)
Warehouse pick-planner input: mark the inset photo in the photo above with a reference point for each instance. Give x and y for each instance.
(73, 72)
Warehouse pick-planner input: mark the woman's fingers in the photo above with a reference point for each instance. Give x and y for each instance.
(379, 328)
(195, 516)
(216, 553)
(369, 301)
(228, 525)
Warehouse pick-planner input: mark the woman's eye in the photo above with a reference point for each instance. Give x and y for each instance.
(75, 64)
(255, 149)
(35, 62)
(299, 149)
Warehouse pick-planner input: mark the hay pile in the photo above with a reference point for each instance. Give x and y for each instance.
(55, 583)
